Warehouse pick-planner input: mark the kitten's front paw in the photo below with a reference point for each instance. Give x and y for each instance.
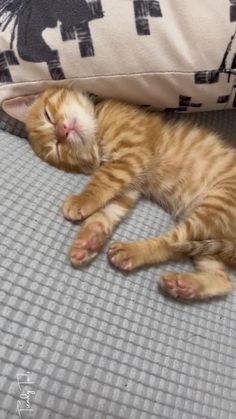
(76, 208)
(125, 256)
(88, 244)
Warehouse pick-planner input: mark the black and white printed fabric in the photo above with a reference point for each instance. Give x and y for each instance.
(171, 54)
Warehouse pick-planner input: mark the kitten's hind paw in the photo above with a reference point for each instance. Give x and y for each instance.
(178, 286)
(197, 285)
(88, 244)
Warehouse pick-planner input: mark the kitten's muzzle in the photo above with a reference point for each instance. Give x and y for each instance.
(69, 132)
(65, 130)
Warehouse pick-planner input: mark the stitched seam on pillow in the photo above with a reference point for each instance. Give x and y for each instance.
(100, 76)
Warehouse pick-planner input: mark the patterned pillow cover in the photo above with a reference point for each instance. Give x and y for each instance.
(171, 54)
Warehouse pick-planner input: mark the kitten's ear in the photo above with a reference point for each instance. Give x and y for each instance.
(94, 98)
(17, 108)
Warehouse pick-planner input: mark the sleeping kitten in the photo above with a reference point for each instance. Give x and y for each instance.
(130, 152)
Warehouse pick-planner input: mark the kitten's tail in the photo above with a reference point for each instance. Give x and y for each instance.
(225, 250)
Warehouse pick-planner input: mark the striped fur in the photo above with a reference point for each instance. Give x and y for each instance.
(131, 152)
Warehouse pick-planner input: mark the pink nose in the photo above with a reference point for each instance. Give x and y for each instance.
(64, 130)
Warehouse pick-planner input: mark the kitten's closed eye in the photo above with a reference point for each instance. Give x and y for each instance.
(48, 116)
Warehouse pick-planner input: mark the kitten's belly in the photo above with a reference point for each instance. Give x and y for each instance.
(177, 203)
(176, 207)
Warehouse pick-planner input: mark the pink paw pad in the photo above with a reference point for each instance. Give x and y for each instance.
(78, 254)
(119, 257)
(84, 250)
(178, 287)
(96, 237)
(126, 265)
(169, 284)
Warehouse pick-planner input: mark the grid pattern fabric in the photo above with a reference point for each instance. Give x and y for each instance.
(11, 125)
(95, 343)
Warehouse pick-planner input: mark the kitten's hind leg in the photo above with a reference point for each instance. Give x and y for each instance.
(210, 280)
(152, 251)
(99, 227)
(206, 221)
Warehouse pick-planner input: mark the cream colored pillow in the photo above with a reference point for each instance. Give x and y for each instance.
(178, 54)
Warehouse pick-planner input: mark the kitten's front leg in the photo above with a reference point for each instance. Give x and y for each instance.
(108, 182)
(99, 227)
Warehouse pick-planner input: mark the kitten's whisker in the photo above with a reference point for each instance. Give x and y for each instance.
(74, 143)
(81, 136)
(58, 151)
(51, 151)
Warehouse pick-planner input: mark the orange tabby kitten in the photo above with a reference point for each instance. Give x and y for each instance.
(130, 152)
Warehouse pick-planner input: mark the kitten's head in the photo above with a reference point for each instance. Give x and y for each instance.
(61, 127)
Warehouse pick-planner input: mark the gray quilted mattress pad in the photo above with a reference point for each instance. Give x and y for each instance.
(95, 343)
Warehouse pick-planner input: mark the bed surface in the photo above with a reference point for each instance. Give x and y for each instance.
(98, 344)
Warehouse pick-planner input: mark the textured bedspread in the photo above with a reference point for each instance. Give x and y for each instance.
(95, 343)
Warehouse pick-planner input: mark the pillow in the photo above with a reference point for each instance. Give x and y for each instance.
(169, 54)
